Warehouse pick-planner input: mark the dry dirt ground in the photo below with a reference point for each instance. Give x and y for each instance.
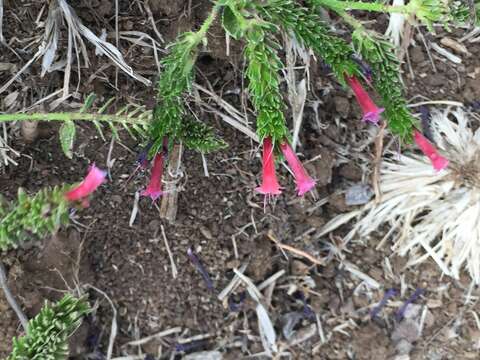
(221, 218)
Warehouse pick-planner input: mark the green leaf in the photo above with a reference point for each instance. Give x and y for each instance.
(232, 23)
(88, 103)
(67, 137)
(47, 334)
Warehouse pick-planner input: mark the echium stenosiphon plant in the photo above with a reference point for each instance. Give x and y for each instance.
(45, 212)
(425, 213)
(367, 64)
(47, 333)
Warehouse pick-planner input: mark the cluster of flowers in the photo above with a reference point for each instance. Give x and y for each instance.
(371, 113)
(270, 186)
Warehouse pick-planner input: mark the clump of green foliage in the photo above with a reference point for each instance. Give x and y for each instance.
(47, 334)
(256, 22)
(32, 216)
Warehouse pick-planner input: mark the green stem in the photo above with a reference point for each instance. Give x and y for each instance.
(69, 117)
(350, 20)
(208, 21)
(358, 5)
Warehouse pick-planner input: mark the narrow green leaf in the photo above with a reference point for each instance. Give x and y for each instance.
(113, 129)
(88, 103)
(67, 137)
(106, 105)
(231, 23)
(99, 129)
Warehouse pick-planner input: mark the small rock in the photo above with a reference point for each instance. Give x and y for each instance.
(154, 225)
(417, 56)
(404, 347)
(358, 194)
(434, 303)
(351, 172)
(233, 264)
(342, 106)
(407, 330)
(206, 233)
(376, 273)
(105, 8)
(316, 221)
(299, 268)
(436, 80)
(323, 167)
(117, 199)
(204, 355)
(337, 202)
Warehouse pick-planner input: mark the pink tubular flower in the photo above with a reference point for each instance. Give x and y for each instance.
(270, 185)
(304, 182)
(92, 181)
(371, 112)
(438, 161)
(154, 188)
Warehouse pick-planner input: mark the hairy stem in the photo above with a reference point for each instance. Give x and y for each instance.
(69, 116)
(208, 21)
(359, 5)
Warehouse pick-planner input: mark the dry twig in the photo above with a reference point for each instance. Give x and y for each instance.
(295, 251)
(11, 299)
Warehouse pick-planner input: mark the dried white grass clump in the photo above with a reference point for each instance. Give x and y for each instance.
(396, 25)
(60, 12)
(430, 214)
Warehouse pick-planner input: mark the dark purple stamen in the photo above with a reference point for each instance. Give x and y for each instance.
(365, 68)
(142, 158)
(389, 294)
(475, 105)
(194, 345)
(401, 312)
(201, 269)
(425, 118)
(325, 68)
(236, 306)
(165, 147)
(308, 313)
(149, 357)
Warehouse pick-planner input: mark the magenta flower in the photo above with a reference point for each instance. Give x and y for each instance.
(371, 112)
(438, 161)
(304, 182)
(270, 185)
(154, 188)
(92, 181)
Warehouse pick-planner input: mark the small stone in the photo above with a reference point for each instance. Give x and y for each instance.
(404, 347)
(154, 225)
(358, 194)
(299, 268)
(417, 56)
(233, 264)
(117, 199)
(407, 330)
(342, 106)
(351, 171)
(323, 167)
(376, 273)
(206, 233)
(337, 202)
(316, 222)
(436, 80)
(434, 303)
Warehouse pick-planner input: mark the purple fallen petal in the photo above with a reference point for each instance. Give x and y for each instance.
(401, 312)
(389, 294)
(200, 268)
(236, 306)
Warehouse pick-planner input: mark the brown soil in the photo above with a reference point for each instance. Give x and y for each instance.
(131, 264)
